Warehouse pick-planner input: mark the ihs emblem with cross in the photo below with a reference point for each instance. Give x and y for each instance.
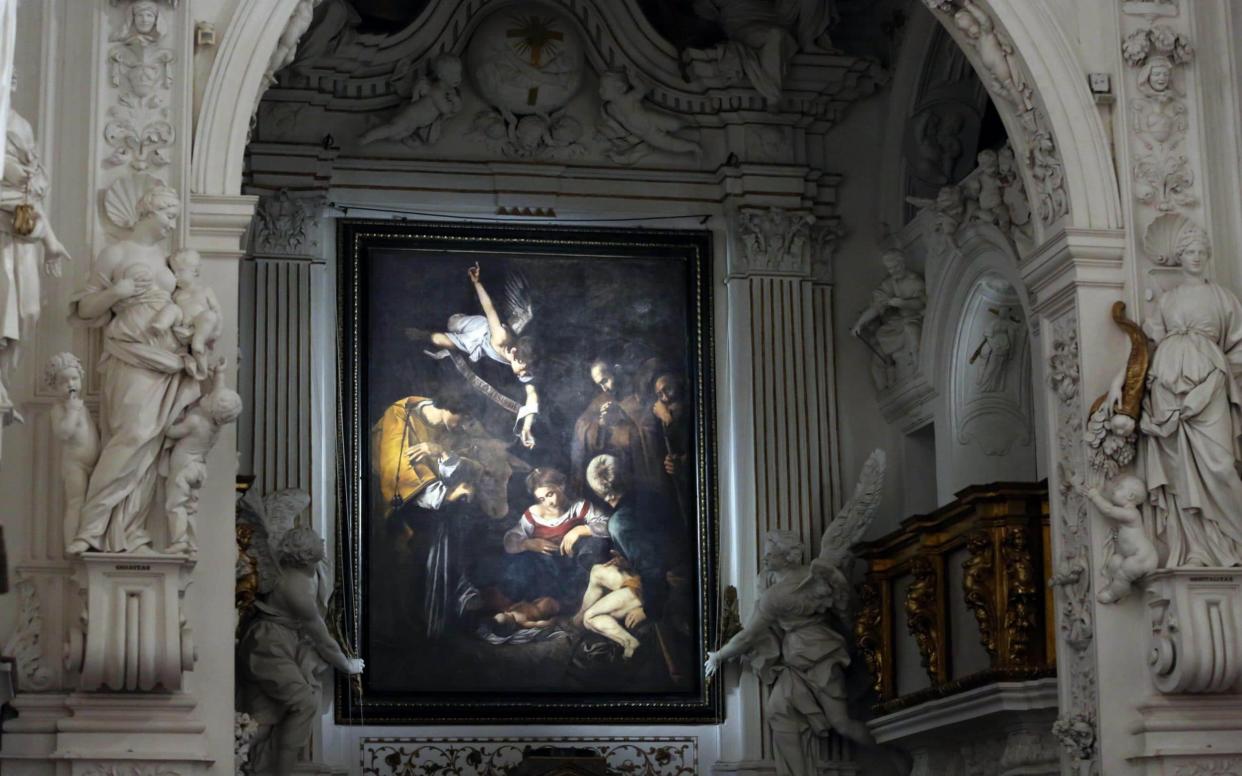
(535, 40)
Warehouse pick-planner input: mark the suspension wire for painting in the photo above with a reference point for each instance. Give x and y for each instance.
(345, 208)
(344, 498)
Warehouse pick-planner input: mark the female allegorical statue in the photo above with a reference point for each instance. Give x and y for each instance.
(146, 385)
(1192, 415)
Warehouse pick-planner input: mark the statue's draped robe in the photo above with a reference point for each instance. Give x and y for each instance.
(1192, 418)
(145, 390)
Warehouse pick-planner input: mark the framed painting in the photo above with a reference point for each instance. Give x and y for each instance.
(528, 529)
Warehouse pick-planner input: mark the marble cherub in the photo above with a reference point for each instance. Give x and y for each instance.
(632, 128)
(433, 100)
(192, 438)
(200, 310)
(1133, 555)
(75, 429)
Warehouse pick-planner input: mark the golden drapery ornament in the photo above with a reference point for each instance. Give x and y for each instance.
(921, 614)
(979, 588)
(1022, 596)
(868, 634)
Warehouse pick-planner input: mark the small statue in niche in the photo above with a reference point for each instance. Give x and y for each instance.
(287, 645)
(894, 321)
(198, 307)
(432, 101)
(193, 436)
(75, 429)
(996, 350)
(938, 145)
(1131, 554)
(631, 128)
(792, 644)
(28, 248)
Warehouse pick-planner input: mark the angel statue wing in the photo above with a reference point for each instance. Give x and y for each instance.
(518, 302)
(272, 516)
(847, 529)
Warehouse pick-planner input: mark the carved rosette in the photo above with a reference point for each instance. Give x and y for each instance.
(979, 587)
(868, 634)
(921, 608)
(1021, 596)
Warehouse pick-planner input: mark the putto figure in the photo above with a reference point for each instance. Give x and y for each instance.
(200, 310)
(432, 101)
(634, 129)
(791, 642)
(75, 429)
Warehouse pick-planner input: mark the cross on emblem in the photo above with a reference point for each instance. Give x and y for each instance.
(534, 36)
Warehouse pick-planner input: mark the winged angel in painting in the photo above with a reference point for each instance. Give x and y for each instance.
(486, 335)
(287, 645)
(790, 640)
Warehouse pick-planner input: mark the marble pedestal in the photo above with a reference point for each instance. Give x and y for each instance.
(133, 635)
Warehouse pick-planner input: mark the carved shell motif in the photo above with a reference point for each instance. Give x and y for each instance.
(1161, 236)
(120, 201)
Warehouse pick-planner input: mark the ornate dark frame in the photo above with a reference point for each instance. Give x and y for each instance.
(355, 237)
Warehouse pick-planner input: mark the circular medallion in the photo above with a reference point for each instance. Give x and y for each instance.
(526, 58)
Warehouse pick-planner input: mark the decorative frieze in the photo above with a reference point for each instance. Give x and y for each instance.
(672, 756)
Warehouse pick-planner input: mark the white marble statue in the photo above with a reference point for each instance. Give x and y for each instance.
(287, 46)
(1131, 555)
(790, 641)
(193, 437)
(1014, 196)
(199, 310)
(634, 129)
(146, 382)
(75, 429)
(28, 248)
(1192, 414)
(287, 646)
(433, 100)
(892, 325)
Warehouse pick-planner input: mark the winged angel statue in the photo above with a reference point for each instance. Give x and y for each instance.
(287, 645)
(790, 641)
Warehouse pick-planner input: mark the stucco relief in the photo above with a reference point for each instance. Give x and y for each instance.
(139, 130)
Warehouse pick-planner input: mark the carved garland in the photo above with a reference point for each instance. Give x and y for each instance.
(1076, 727)
(26, 644)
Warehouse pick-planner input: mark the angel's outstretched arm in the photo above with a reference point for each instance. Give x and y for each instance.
(499, 335)
(303, 606)
(744, 639)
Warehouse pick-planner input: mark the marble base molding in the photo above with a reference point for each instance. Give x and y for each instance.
(134, 635)
(1196, 616)
(1189, 735)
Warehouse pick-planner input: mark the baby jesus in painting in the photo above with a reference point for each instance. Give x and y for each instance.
(485, 335)
(525, 614)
